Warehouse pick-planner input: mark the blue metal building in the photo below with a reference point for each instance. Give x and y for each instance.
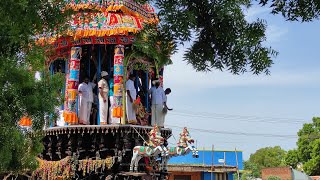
(211, 165)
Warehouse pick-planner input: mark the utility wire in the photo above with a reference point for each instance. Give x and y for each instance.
(237, 133)
(233, 119)
(240, 118)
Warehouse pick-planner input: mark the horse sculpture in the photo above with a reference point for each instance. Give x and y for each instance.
(184, 147)
(153, 149)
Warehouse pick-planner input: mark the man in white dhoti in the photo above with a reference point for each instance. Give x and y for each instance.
(83, 90)
(158, 102)
(103, 98)
(131, 97)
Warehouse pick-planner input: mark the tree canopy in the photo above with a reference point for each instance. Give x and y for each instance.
(221, 38)
(308, 149)
(294, 10)
(292, 158)
(21, 94)
(265, 157)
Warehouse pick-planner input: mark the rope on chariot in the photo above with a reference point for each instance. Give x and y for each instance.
(140, 135)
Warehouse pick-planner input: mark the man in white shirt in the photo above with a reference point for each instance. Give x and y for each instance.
(103, 98)
(83, 90)
(131, 97)
(158, 101)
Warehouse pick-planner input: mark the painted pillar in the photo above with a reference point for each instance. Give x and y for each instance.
(72, 82)
(118, 88)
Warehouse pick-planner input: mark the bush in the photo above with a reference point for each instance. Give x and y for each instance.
(273, 178)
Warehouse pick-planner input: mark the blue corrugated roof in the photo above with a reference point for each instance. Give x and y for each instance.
(205, 158)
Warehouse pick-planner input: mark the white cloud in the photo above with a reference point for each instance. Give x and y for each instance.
(180, 75)
(275, 33)
(253, 12)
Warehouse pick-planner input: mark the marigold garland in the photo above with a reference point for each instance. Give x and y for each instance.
(66, 168)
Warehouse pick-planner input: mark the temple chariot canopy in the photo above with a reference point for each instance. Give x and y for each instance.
(94, 39)
(100, 19)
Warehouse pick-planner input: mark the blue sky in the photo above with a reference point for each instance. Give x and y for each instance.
(221, 101)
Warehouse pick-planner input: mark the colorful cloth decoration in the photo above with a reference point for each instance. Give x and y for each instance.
(88, 24)
(72, 82)
(67, 167)
(145, 12)
(25, 121)
(118, 80)
(141, 114)
(129, 7)
(103, 24)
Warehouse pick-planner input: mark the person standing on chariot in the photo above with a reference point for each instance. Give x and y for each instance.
(185, 138)
(165, 107)
(158, 103)
(103, 98)
(84, 112)
(131, 97)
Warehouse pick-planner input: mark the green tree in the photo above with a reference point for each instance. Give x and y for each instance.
(294, 10)
(265, 157)
(292, 158)
(309, 147)
(254, 170)
(21, 94)
(221, 37)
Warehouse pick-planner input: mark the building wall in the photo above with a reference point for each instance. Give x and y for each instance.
(315, 177)
(192, 175)
(200, 176)
(207, 157)
(216, 176)
(283, 172)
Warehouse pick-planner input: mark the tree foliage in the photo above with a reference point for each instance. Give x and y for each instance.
(294, 10)
(292, 158)
(20, 94)
(308, 148)
(254, 169)
(223, 39)
(265, 157)
(152, 45)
